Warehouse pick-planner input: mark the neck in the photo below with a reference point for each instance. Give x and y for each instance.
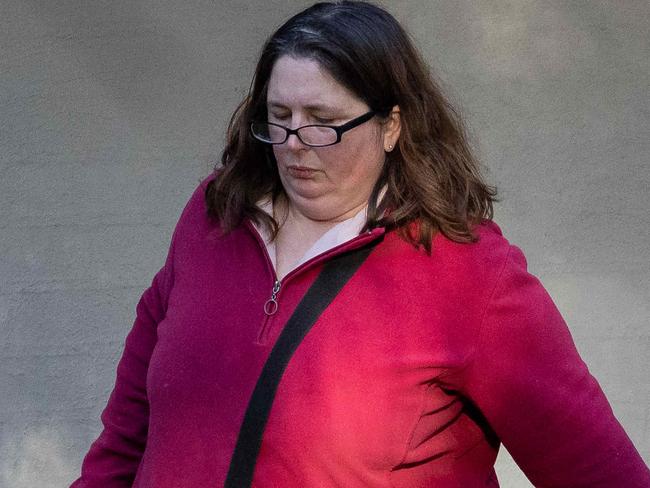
(298, 232)
(287, 212)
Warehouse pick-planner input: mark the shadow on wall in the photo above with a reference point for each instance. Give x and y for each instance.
(38, 459)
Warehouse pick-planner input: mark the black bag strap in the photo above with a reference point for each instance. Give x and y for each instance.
(335, 274)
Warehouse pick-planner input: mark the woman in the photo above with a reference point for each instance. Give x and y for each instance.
(337, 308)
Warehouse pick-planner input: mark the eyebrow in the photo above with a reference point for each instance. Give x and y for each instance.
(311, 106)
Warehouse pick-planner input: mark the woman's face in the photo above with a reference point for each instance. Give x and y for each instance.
(325, 183)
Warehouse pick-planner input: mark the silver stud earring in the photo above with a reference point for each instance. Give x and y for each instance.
(390, 147)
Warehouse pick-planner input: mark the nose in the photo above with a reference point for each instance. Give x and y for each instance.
(294, 143)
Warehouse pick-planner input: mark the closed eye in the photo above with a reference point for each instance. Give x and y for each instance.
(324, 120)
(278, 117)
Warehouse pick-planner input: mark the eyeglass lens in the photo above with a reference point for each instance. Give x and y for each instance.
(311, 135)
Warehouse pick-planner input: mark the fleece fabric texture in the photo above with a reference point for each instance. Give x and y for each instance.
(412, 377)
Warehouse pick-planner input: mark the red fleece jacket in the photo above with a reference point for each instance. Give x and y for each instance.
(410, 378)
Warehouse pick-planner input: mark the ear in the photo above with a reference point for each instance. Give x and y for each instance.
(392, 127)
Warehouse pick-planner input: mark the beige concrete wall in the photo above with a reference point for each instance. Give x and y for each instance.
(111, 112)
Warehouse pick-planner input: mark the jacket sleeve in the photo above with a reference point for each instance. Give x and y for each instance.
(531, 385)
(113, 458)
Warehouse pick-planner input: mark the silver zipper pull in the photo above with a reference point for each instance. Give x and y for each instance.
(271, 305)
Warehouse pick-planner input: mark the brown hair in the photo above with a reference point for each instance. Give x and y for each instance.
(433, 180)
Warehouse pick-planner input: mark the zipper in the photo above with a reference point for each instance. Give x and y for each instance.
(270, 308)
(353, 243)
(272, 305)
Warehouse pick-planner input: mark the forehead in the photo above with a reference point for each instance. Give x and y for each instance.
(303, 82)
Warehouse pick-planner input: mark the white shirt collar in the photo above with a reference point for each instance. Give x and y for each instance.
(339, 234)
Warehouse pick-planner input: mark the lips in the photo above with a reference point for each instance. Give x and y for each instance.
(302, 172)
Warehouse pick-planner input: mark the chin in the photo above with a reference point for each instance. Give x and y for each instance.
(304, 192)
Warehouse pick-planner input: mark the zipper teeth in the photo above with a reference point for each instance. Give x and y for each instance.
(272, 304)
(366, 236)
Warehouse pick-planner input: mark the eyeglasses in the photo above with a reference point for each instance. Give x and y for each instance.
(309, 135)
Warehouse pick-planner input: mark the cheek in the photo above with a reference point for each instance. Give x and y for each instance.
(277, 153)
(362, 161)
(355, 173)
(341, 164)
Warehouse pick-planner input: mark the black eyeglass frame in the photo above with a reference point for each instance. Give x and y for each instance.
(339, 129)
